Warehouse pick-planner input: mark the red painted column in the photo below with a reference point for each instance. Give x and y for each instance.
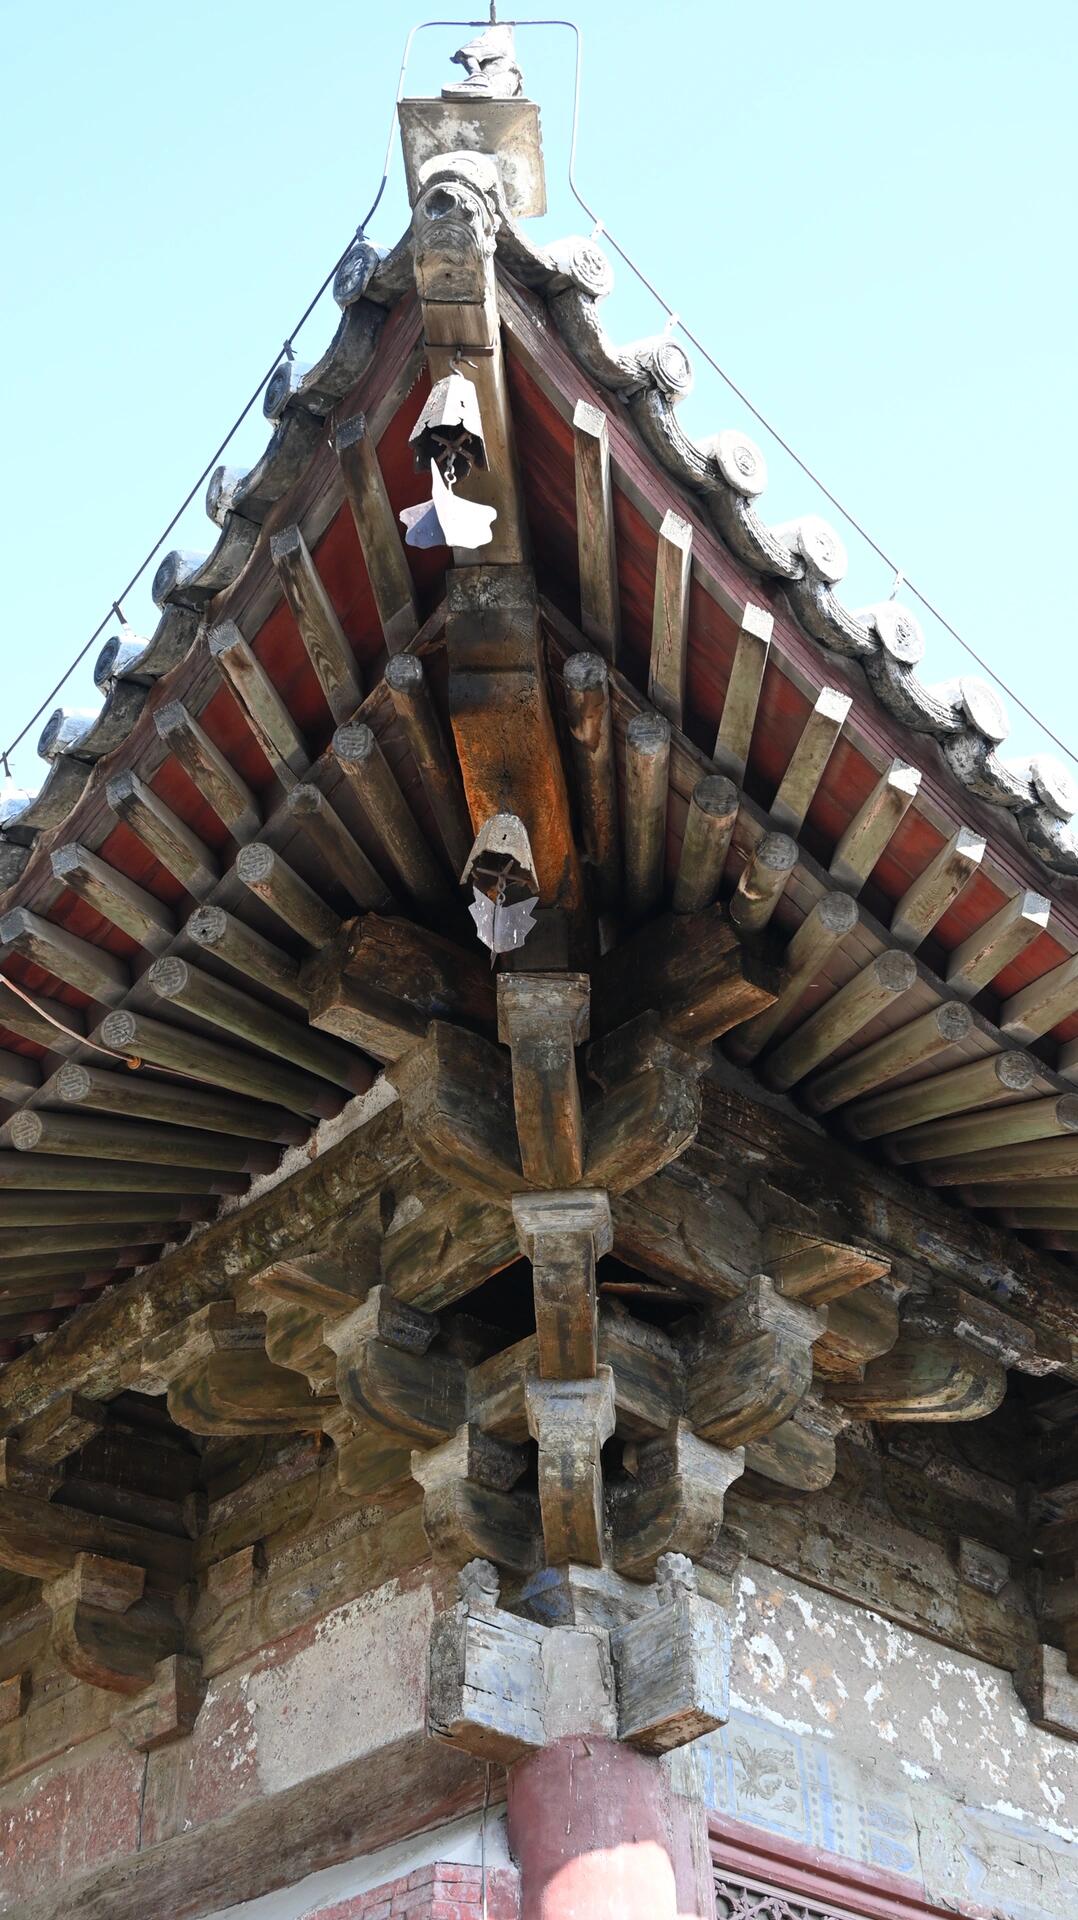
(590, 1829)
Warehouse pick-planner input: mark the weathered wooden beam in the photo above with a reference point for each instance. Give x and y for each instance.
(111, 894)
(868, 833)
(1056, 1218)
(542, 1019)
(96, 1138)
(272, 880)
(647, 779)
(43, 1541)
(823, 929)
(181, 1051)
(600, 609)
(248, 1020)
(1036, 1009)
(670, 618)
(919, 1040)
(731, 755)
(1004, 1194)
(1033, 1160)
(378, 531)
(327, 645)
(456, 1098)
(806, 765)
(650, 1107)
(878, 985)
(266, 713)
(978, 959)
(710, 819)
(927, 899)
(163, 833)
(691, 968)
(342, 853)
(55, 1209)
(749, 1365)
(18, 1075)
(225, 792)
(1067, 1062)
(28, 1172)
(449, 1245)
(808, 1267)
(1000, 1127)
(246, 952)
(138, 1096)
(36, 1023)
(16, 1242)
(563, 1235)
(762, 882)
(956, 1091)
(381, 982)
(587, 707)
(435, 759)
(940, 1368)
(64, 955)
(386, 1373)
(230, 1387)
(366, 771)
(571, 1420)
(507, 744)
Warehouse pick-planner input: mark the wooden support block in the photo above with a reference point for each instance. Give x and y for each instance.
(433, 753)
(469, 1507)
(169, 1706)
(1001, 1127)
(957, 1091)
(709, 825)
(646, 1118)
(43, 1541)
(218, 783)
(111, 894)
(381, 982)
(265, 711)
(93, 1137)
(647, 774)
(670, 618)
(180, 1104)
(877, 986)
(763, 879)
(18, 1075)
(919, 1040)
(600, 610)
(14, 1697)
(162, 833)
(378, 531)
(248, 1020)
(448, 1246)
(822, 930)
(563, 1235)
(800, 1454)
(386, 1373)
(1036, 1009)
(807, 1267)
(64, 955)
(542, 1019)
(868, 833)
(978, 960)
(673, 1501)
(181, 1051)
(506, 740)
(1032, 1160)
(749, 1365)
(860, 1326)
(363, 764)
(937, 888)
(328, 647)
(342, 854)
(587, 707)
(456, 1095)
(61, 1429)
(103, 1632)
(486, 1687)
(937, 1370)
(731, 755)
(246, 952)
(672, 1664)
(805, 767)
(571, 1420)
(282, 889)
(1048, 1689)
(691, 968)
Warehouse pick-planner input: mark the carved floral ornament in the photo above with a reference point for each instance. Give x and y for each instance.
(738, 1900)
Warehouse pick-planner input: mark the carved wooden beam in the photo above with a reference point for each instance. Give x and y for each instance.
(948, 1363)
(543, 1018)
(179, 1103)
(103, 1631)
(254, 1024)
(64, 955)
(368, 774)
(349, 866)
(255, 1075)
(456, 1097)
(738, 719)
(937, 888)
(823, 930)
(762, 882)
(872, 826)
(248, 953)
(647, 783)
(986, 952)
(225, 792)
(881, 982)
(163, 833)
(692, 969)
(111, 894)
(749, 1365)
(873, 1066)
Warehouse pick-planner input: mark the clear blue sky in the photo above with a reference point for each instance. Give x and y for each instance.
(868, 213)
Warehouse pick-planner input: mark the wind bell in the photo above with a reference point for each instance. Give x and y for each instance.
(504, 887)
(448, 438)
